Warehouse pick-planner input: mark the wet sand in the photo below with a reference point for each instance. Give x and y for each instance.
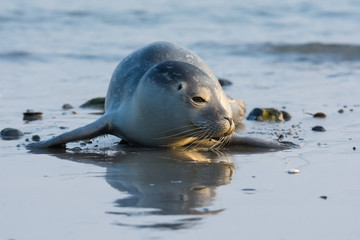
(103, 189)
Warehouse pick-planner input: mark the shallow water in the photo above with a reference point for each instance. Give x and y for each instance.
(303, 56)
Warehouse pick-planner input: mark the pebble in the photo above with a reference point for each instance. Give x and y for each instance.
(224, 82)
(286, 116)
(35, 138)
(10, 134)
(30, 115)
(341, 111)
(354, 148)
(319, 115)
(281, 136)
(318, 129)
(67, 106)
(294, 171)
(323, 197)
(95, 103)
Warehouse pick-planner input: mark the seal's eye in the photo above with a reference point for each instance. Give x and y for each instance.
(198, 100)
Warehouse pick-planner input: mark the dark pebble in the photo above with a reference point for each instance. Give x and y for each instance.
(249, 190)
(351, 110)
(67, 106)
(89, 142)
(95, 103)
(83, 144)
(319, 115)
(26, 140)
(323, 197)
(31, 116)
(10, 134)
(224, 82)
(354, 148)
(35, 138)
(62, 128)
(281, 136)
(318, 129)
(286, 116)
(341, 111)
(255, 114)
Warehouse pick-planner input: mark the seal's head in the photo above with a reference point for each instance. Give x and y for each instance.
(176, 103)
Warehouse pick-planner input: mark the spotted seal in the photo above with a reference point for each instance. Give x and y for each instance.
(164, 95)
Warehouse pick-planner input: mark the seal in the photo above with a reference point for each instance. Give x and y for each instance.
(164, 95)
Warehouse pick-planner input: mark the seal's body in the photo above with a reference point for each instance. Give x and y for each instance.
(163, 95)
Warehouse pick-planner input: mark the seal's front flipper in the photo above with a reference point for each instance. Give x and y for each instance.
(237, 140)
(94, 129)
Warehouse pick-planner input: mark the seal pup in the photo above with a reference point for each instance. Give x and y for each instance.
(164, 95)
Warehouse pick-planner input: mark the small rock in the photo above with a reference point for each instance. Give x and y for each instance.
(281, 136)
(83, 144)
(62, 127)
(67, 106)
(286, 116)
(354, 148)
(268, 114)
(249, 190)
(224, 82)
(318, 129)
(35, 138)
(319, 115)
(294, 171)
(323, 197)
(10, 134)
(341, 111)
(29, 115)
(95, 103)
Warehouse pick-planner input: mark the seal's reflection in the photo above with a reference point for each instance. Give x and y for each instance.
(160, 182)
(171, 182)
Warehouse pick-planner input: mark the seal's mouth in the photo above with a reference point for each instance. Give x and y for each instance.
(214, 131)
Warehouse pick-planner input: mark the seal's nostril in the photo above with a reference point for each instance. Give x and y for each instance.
(229, 119)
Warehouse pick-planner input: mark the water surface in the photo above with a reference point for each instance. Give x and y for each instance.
(301, 56)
